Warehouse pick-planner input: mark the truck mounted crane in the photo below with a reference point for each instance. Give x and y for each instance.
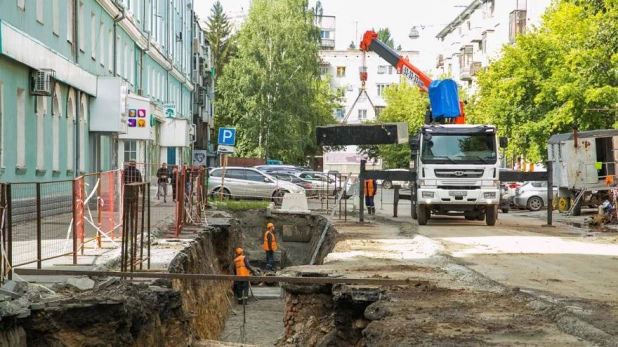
(456, 164)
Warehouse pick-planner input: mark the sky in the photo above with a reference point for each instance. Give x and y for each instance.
(354, 17)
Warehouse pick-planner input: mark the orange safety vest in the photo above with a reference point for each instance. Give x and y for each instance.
(370, 189)
(274, 242)
(241, 269)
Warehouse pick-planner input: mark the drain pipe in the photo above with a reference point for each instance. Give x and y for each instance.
(75, 30)
(575, 136)
(117, 20)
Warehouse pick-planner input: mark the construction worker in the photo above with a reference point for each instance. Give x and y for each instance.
(243, 268)
(370, 189)
(270, 246)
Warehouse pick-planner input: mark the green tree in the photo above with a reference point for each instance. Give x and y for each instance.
(384, 35)
(407, 104)
(553, 77)
(271, 90)
(219, 36)
(352, 45)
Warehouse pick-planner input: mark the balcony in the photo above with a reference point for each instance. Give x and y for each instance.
(475, 68)
(440, 61)
(327, 43)
(465, 73)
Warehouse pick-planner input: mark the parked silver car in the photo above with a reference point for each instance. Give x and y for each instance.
(249, 183)
(386, 184)
(532, 195)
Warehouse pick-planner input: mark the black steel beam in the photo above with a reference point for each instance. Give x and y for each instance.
(406, 176)
(515, 176)
(358, 134)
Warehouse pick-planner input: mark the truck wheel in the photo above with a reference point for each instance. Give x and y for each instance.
(491, 215)
(422, 214)
(414, 212)
(564, 204)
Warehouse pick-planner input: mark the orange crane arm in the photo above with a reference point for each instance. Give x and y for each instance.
(370, 42)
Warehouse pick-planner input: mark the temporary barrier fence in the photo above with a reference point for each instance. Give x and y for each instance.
(135, 227)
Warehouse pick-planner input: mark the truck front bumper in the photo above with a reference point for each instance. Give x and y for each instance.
(484, 196)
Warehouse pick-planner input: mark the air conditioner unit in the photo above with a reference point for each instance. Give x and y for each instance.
(42, 82)
(201, 96)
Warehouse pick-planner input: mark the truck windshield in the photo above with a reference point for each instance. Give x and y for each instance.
(460, 149)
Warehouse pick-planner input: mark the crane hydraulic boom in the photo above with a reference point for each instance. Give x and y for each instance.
(371, 42)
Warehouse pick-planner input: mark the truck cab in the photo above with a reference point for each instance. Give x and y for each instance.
(457, 170)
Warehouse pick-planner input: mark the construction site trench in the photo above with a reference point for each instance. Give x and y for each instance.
(441, 302)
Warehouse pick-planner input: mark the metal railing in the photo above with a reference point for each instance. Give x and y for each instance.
(135, 227)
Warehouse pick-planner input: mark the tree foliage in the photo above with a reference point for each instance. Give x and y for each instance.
(352, 46)
(219, 36)
(553, 78)
(405, 103)
(271, 90)
(384, 35)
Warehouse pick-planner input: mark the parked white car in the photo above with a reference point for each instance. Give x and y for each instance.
(249, 183)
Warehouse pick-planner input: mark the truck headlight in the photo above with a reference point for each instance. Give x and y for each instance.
(489, 195)
(427, 195)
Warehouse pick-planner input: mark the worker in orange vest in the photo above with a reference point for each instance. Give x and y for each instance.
(370, 192)
(270, 246)
(243, 268)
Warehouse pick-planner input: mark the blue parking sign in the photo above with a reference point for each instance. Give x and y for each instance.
(227, 136)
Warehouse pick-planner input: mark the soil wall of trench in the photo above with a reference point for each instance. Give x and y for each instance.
(120, 313)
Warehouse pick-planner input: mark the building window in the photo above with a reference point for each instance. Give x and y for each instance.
(55, 17)
(488, 8)
(93, 37)
(390, 70)
(362, 114)
(118, 56)
(381, 88)
(70, 14)
(340, 71)
(83, 116)
(517, 24)
(147, 17)
(21, 128)
(40, 10)
(466, 57)
(2, 147)
(21, 4)
(379, 110)
(131, 76)
(340, 113)
(102, 43)
(130, 151)
(382, 69)
(41, 110)
(80, 18)
(324, 70)
(125, 70)
(110, 50)
(325, 34)
(70, 129)
(56, 114)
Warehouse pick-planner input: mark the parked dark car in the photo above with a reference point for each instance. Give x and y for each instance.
(291, 177)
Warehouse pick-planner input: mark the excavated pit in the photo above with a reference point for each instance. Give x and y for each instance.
(168, 312)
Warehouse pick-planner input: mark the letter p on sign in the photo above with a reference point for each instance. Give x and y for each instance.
(227, 136)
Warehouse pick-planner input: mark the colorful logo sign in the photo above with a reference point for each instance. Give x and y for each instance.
(132, 113)
(141, 113)
(141, 123)
(132, 123)
(169, 110)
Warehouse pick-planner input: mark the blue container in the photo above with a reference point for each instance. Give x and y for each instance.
(444, 99)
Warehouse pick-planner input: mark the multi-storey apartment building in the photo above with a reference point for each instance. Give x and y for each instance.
(327, 25)
(86, 85)
(476, 36)
(344, 68)
(203, 97)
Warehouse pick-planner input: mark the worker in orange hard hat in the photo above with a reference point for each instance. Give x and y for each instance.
(243, 268)
(270, 246)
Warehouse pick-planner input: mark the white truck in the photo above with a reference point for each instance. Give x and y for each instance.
(457, 172)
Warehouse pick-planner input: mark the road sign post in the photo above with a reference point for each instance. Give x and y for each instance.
(227, 140)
